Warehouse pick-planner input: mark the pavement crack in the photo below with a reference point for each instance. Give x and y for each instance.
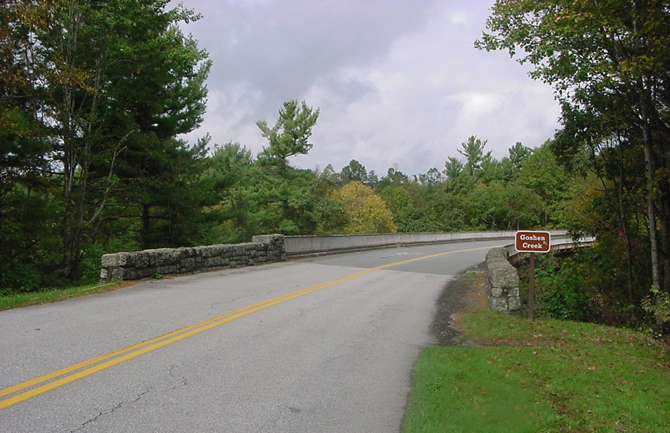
(272, 423)
(110, 411)
(375, 319)
(95, 418)
(142, 394)
(334, 358)
(183, 381)
(229, 301)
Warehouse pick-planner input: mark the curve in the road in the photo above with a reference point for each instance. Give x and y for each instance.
(78, 371)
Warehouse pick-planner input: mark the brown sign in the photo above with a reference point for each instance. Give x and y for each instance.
(532, 242)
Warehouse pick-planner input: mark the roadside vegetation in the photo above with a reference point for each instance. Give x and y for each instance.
(545, 376)
(18, 300)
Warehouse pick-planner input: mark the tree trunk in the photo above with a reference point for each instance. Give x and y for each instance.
(623, 222)
(664, 217)
(650, 170)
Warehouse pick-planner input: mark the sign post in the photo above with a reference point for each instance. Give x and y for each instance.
(532, 242)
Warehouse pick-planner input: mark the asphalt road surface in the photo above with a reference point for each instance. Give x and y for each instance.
(312, 345)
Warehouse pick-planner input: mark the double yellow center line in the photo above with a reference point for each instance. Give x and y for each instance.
(61, 377)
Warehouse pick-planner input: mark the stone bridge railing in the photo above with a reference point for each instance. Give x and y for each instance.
(502, 287)
(173, 261)
(263, 249)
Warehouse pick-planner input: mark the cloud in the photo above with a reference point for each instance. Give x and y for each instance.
(474, 106)
(459, 18)
(397, 81)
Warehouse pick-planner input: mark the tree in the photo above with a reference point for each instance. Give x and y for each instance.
(230, 180)
(431, 178)
(172, 199)
(453, 168)
(518, 154)
(542, 174)
(473, 151)
(354, 171)
(373, 180)
(608, 63)
(397, 200)
(22, 145)
(393, 177)
(287, 193)
(129, 83)
(227, 166)
(28, 209)
(102, 89)
(366, 212)
(290, 134)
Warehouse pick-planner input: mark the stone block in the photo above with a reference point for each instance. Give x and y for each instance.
(189, 264)
(110, 260)
(142, 259)
(513, 303)
(120, 274)
(500, 305)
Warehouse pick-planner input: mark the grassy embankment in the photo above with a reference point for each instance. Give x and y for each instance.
(546, 376)
(17, 300)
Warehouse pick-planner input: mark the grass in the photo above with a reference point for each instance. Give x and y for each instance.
(17, 300)
(546, 376)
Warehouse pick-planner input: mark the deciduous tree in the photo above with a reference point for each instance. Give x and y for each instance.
(366, 212)
(354, 171)
(608, 62)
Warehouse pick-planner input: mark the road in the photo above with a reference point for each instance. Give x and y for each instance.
(312, 345)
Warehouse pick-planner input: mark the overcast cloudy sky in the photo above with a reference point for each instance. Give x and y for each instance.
(397, 81)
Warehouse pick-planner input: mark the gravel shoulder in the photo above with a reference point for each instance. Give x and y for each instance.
(464, 292)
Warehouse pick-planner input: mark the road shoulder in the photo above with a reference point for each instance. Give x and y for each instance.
(464, 292)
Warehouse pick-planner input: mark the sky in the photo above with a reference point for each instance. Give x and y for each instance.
(398, 82)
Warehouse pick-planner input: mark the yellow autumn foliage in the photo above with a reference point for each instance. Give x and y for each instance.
(366, 212)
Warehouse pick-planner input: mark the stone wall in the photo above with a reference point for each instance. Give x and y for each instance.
(502, 282)
(173, 261)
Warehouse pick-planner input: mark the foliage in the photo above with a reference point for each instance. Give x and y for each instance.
(290, 134)
(90, 106)
(608, 63)
(518, 154)
(354, 171)
(366, 212)
(589, 285)
(657, 305)
(431, 178)
(473, 151)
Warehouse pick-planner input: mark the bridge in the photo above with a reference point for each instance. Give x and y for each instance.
(318, 343)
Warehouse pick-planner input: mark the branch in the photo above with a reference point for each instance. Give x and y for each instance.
(117, 151)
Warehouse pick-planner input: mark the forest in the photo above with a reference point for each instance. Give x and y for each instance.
(94, 98)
